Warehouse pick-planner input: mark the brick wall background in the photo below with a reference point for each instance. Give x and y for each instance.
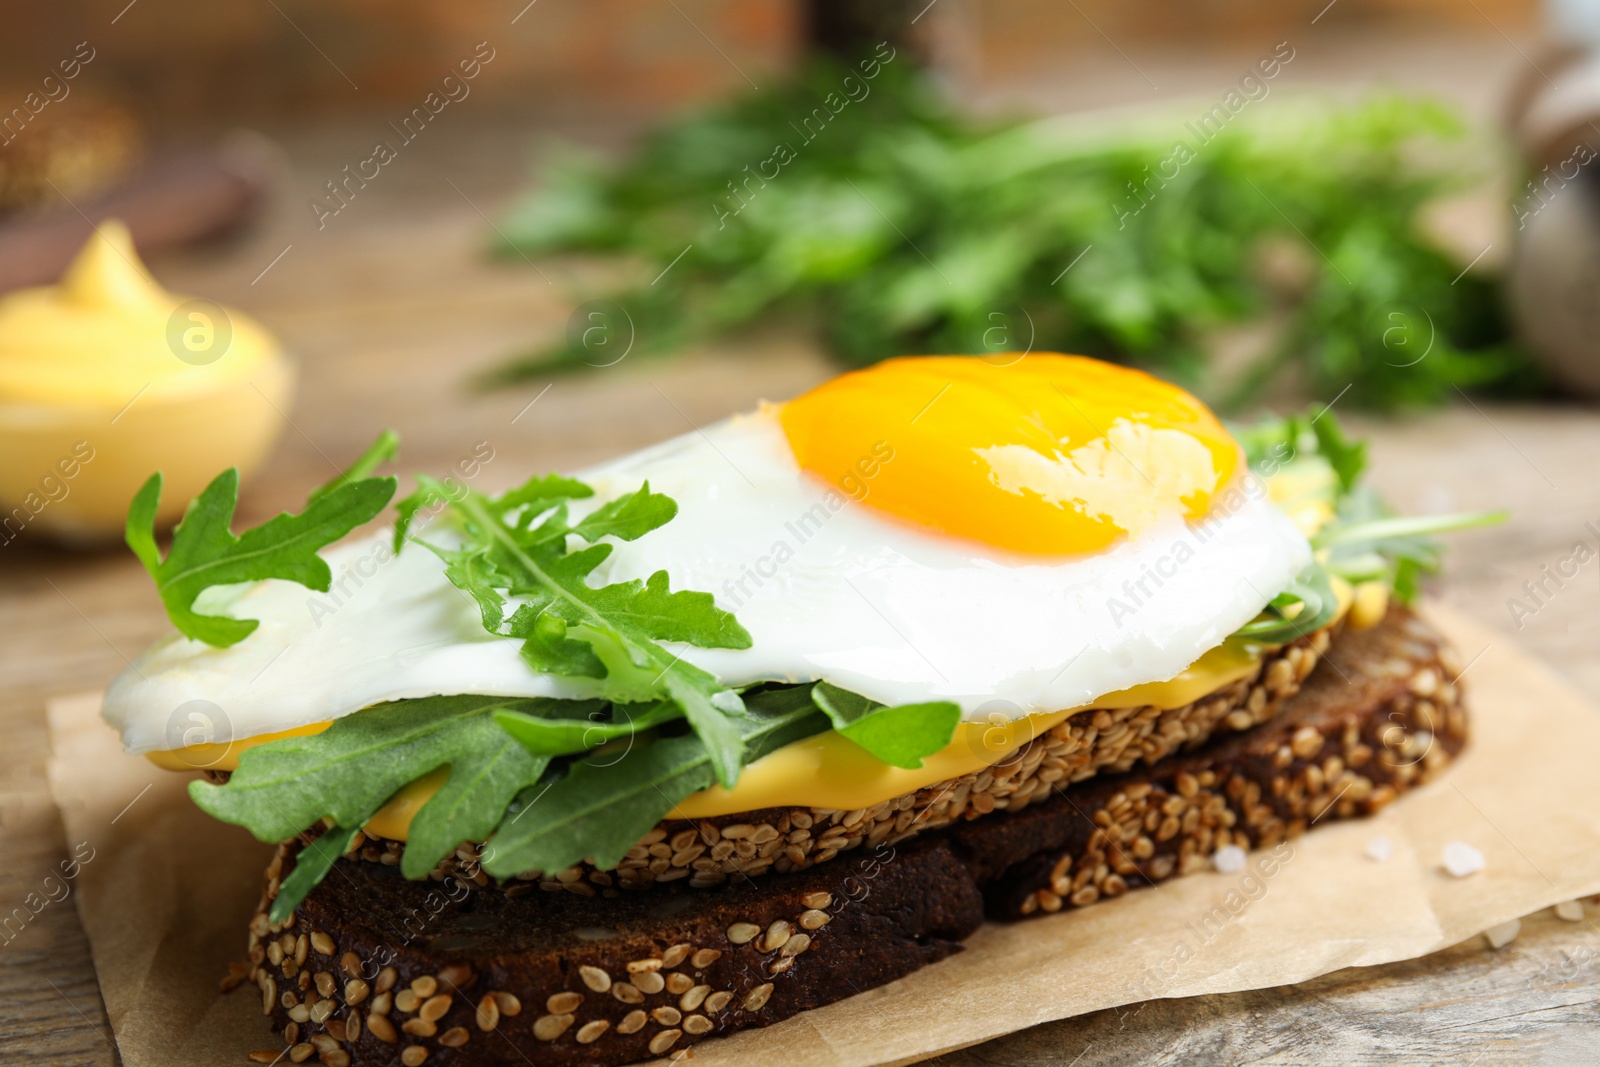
(187, 62)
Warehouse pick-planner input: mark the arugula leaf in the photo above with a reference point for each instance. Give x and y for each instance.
(570, 734)
(515, 547)
(1347, 458)
(206, 553)
(607, 802)
(1363, 542)
(311, 866)
(1313, 604)
(350, 770)
(381, 451)
(900, 736)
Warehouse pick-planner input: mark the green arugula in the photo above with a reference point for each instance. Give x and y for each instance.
(311, 866)
(569, 736)
(900, 736)
(515, 547)
(350, 770)
(205, 553)
(609, 800)
(1365, 541)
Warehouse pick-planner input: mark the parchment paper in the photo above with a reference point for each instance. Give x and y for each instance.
(167, 894)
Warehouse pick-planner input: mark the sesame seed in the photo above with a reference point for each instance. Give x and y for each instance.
(718, 1000)
(322, 943)
(663, 1041)
(777, 935)
(627, 992)
(407, 1001)
(666, 1015)
(302, 946)
(633, 1022)
(300, 1013)
(796, 945)
(455, 975)
(301, 1052)
(560, 1003)
(694, 997)
(697, 1024)
(756, 999)
(335, 1058)
(425, 986)
(550, 1027)
(814, 919)
(265, 1055)
(679, 983)
(413, 1055)
(325, 984)
(590, 1032)
(382, 1003)
(649, 983)
(433, 1009)
(705, 958)
(386, 979)
(741, 933)
(352, 1027)
(675, 955)
(508, 1004)
(644, 966)
(355, 991)
(381, 1028)
(488, 1013)
(454, 1037)
(420, 1027)
(595, 978)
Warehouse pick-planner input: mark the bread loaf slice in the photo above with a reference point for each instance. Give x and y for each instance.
(374, 970)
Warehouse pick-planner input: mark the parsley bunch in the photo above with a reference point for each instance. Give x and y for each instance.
(904, 226)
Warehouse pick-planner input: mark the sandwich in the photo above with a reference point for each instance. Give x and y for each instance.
(600, 766)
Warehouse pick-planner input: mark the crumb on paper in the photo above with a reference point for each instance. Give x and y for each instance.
(1502, 934)
(1229, 859)
(1379, 848)
(1570, 910)
(1461, 859)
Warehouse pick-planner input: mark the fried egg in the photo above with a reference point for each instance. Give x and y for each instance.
(1017, 539)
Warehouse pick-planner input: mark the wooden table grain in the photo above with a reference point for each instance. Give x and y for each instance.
(392, 306)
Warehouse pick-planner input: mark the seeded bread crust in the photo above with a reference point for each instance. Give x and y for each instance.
(374, 971)
(1094, 742)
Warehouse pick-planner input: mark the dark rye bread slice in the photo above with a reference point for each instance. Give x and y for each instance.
(1089, 743)
(375, 970)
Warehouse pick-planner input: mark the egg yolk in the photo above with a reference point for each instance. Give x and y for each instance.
(1047, 455)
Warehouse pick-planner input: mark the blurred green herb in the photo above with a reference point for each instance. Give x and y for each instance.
(900, 227)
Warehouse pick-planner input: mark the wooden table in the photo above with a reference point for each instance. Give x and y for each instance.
(392, 305)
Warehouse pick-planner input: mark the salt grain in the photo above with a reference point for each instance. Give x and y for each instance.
(1503, 934)
(1461, 859)
(1229, 859)
(1570, 910)
(1379, 848)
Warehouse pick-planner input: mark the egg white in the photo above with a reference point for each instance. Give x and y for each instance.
(827, 587)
